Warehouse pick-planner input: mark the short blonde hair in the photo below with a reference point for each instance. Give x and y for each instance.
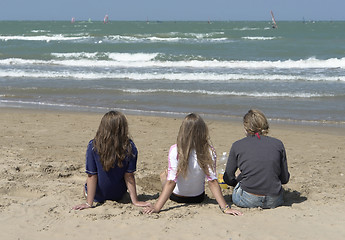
(254, 121)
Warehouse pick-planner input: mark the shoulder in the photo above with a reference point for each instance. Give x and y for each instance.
(91, 153)
(240, 142)
(275, 141)
(134, 148)
(278, 144)
(173, 148)
(133, 154)
(90, 145)
(173, 151)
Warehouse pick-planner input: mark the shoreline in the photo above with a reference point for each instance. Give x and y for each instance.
(215, 117)
(43, 172)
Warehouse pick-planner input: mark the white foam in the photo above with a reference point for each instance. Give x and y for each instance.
(127, 60)
(163, 37)
(76, 55)
(259, 38)
(202, 76)
(171, 37)
(132, 57)
(246, 29)
(36, 103)
(287, 64)
(119, 57)
(203, 35)
(39, 31)
(232, 93)
(55, 75)
(47, 38)
(123, 38)
(148, 60)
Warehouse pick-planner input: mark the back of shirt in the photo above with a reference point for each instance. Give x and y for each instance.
(194, 183)
(262, 162)
(111, 184)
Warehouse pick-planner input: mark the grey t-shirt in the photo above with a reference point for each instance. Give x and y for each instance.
(262, 162)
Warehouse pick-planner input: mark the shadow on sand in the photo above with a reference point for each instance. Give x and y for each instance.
(293, 196)
(290, 197)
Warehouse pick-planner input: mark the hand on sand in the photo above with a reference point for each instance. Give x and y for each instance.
(233, 212)
(143, 204)
(81, 206)
(150, 209)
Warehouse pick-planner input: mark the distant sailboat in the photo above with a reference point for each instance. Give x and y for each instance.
(72, 20)
(106, 18)
(274, 24)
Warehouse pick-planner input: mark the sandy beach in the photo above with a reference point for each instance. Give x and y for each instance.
(42, 174)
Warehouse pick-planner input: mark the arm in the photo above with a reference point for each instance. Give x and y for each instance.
(215, 189)
(166, 192)
(284, 174)
(230, 170)
(131, 186)
(91, 183)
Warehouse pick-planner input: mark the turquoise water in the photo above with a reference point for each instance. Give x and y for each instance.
(294, 73)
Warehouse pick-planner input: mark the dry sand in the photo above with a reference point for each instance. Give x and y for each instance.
(42, 174)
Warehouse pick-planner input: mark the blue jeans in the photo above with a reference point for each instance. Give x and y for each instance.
(244, 199)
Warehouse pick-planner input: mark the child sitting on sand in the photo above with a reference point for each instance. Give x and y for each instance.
(190, 161)
(262, 162)
(111, 159)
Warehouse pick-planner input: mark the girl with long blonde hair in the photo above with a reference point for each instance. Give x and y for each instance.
(191, 160)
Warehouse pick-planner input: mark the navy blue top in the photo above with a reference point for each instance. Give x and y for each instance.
(110, 185)
(262, 163)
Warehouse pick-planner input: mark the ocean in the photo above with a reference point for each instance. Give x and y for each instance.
(295, 73)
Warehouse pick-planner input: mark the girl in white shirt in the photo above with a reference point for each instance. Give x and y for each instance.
(191, 160)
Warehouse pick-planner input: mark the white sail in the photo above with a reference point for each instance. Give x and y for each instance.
(273, 21)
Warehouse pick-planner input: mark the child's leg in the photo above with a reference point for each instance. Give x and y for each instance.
(163, 177)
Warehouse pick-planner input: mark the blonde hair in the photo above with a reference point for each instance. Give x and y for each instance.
(112, 141)
(254, 121)
(193, 134)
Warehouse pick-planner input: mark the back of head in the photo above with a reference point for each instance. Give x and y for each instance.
(193, 134)
(112, 140)
(193, 131)
(254, 121)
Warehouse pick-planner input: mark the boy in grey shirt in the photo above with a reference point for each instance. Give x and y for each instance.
(262, 163)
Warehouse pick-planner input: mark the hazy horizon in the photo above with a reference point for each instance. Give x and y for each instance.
(178, 10)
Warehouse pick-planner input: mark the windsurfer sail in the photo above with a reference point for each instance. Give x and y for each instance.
(274, 24)
(106, 19)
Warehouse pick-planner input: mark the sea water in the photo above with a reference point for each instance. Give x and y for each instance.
(293, 73)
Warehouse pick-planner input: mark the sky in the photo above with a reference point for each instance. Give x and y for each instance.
(173, 10)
